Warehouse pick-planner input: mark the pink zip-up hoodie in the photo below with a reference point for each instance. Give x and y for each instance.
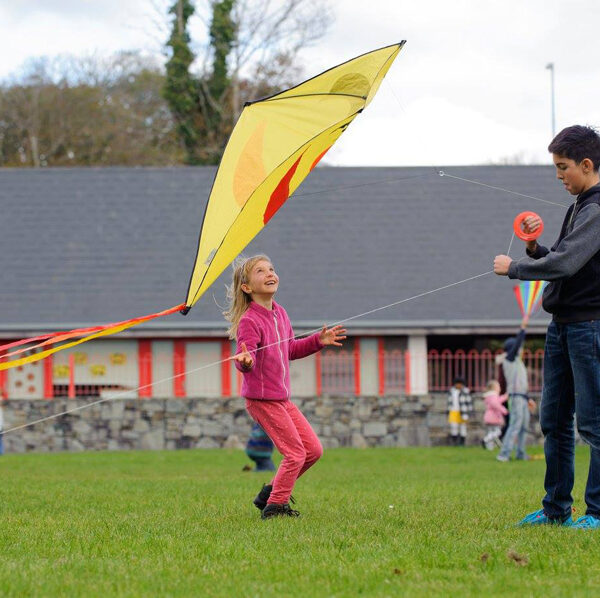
(494, 408)
(269, 376)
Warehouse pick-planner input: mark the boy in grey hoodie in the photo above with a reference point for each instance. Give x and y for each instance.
(572, 354)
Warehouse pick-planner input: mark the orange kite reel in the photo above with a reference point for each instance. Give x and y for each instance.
(518, 227)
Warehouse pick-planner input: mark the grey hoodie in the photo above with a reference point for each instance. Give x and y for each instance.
(514, 369)
(572, 265)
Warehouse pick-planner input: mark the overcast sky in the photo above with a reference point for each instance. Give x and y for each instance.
(469, 87)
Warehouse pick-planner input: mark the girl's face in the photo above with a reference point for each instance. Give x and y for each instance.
(262, 280)
(495, 387)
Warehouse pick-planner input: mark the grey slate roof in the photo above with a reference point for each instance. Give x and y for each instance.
(87, 246)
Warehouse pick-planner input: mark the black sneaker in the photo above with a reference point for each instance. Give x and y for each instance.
(260, 502)
(279, 510)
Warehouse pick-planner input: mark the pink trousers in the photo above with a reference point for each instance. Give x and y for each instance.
(294, 438)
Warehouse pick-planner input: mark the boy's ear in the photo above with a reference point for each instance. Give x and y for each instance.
(587, 165)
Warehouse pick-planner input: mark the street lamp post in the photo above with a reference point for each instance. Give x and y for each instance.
(550, 67)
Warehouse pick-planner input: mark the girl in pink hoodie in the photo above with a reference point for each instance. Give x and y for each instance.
(493, 417)
(265, 345)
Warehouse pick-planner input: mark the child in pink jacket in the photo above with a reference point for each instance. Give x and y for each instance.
(265, 346)
(493, 417)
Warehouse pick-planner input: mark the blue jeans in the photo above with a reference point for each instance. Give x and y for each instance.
(571, 386)
(265, 464)
(517, 427)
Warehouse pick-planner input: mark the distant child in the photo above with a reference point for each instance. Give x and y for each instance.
(493, 418)
(260, 448)
(265, 346)
(571, 363)
(517, 387)
(460, 406)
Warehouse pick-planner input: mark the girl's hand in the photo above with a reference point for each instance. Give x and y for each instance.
(244, 357)
(332, 336)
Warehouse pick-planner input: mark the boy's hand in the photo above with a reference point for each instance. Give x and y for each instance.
(501, 264)
(525, 321)
(530, 225)
(332, 336)
(244, 357)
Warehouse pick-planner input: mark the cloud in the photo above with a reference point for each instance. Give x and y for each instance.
(469, 87)
(432, 131)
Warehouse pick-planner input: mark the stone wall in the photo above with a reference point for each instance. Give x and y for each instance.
(153, 424)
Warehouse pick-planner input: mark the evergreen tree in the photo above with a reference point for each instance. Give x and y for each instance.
(199, 104)
(181, 90)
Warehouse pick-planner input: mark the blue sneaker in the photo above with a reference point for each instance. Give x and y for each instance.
(540, 518)
(587, 522)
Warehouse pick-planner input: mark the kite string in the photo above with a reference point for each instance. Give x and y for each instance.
(215, 363)
(445, 174)
(369, 184)
(452, 176)
(510, 244)
(441, 173)
(168, 379)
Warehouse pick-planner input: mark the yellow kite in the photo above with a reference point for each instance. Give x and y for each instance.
(275, 144)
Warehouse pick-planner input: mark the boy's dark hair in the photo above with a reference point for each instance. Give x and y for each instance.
(577, 143)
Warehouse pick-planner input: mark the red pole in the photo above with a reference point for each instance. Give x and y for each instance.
(71, 393)
(49, 378)
(179, 368)
(3, 382)
(145, 368)
(357, 366)
(381, 363)
(407, 372)
(319, 380)
(226, 368)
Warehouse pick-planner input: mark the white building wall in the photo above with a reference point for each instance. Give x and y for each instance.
(369, 367)
(162, 369)
(303, 380)
(205, 382)
(417, 347)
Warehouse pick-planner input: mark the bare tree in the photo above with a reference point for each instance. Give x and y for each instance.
(270, 34)
(269, 37)
(84, 111)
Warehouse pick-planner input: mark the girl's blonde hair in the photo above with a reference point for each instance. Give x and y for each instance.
(238, 301)
(490, 385)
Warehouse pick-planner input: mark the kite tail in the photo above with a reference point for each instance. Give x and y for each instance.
(52, 339)
(517, 292)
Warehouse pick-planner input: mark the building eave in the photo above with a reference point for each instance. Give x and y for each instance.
(355, 328)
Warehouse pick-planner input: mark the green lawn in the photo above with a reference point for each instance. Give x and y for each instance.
(378, 522)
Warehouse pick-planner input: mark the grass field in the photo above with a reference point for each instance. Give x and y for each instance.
(378, 522)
